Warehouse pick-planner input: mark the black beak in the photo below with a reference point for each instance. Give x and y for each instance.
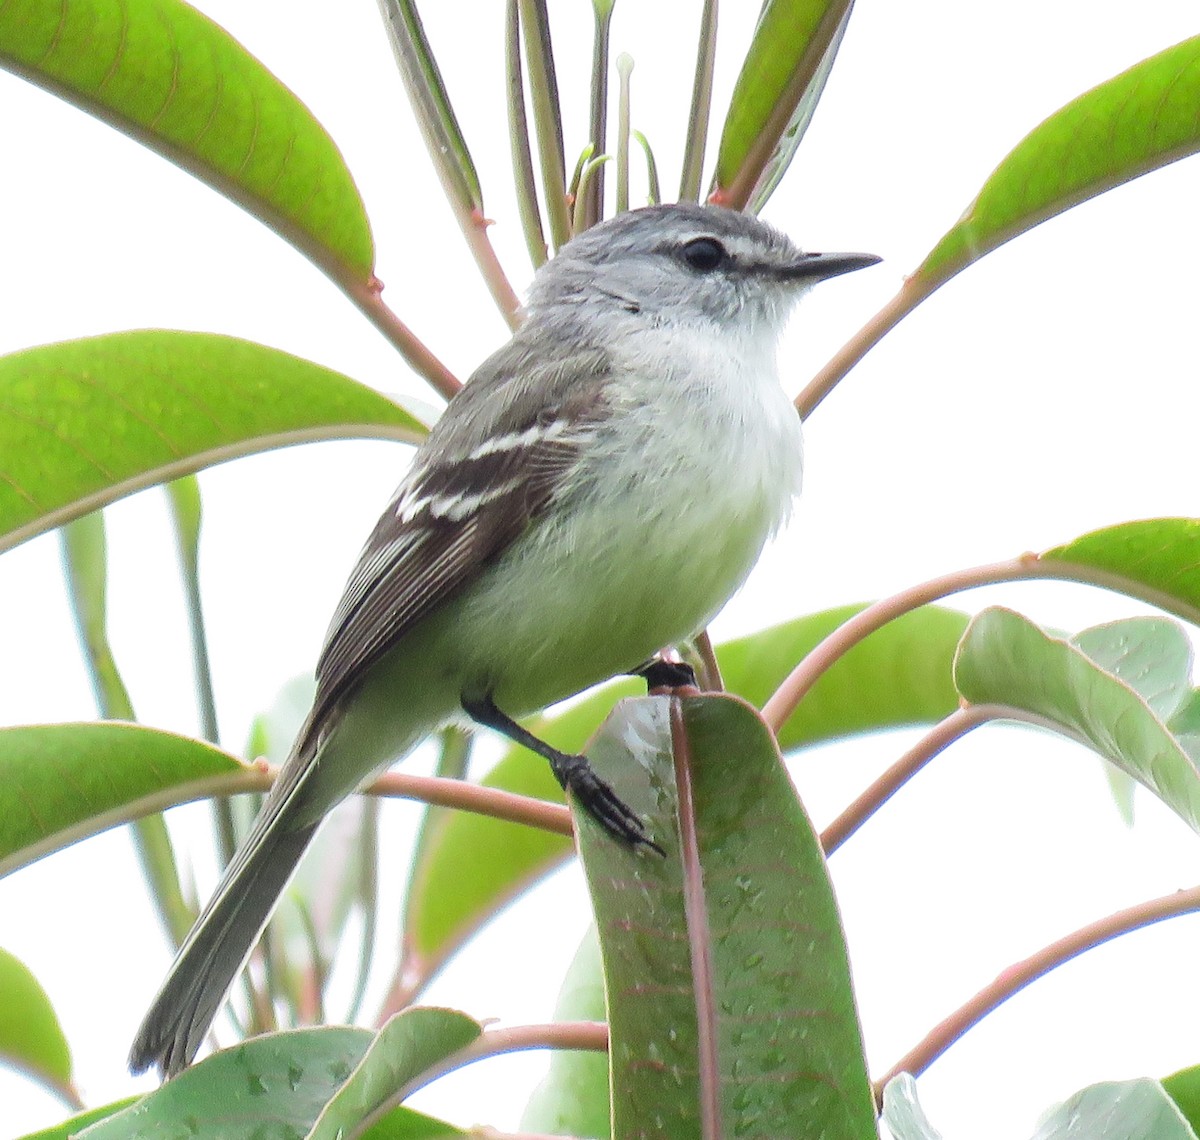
(819, 266)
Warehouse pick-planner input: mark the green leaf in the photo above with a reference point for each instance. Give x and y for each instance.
(1133, 1110)
(547, 115)
(168, 76)
(69, 1129)
(60, 783)
(902, 1111)
(1005, 659)
(1151, 559)
(84, 545)
(31, 1038)
(1184, 1089)
(697, 129)
(431, 104)
(1136, 122)
(408, 1046)
(775, 94)
(183, 499)
(1153, 656)
(85, 422)
(1185, 725)
(797, 126)
(85, 559)
(725, 965)
(272, 1087)
(572, 1099)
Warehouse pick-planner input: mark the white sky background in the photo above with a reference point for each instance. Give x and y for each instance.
(1049, 390)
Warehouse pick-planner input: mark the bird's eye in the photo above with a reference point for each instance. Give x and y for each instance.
(704, 254)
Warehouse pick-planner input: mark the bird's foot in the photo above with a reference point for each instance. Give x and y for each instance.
(577, 776)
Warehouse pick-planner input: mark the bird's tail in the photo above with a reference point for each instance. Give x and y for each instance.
(227, 929)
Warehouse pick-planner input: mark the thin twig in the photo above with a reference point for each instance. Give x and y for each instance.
(475, 797)
(816, 663)
(367, 296)
(711, 679)
(1020, 975)
(943, 734)
(1026, 567)
(912, 293)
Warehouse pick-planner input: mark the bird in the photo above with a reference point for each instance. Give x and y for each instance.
(593, 495)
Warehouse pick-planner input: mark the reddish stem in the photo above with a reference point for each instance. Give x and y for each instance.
(446, 792)
(1018, 976)
(784, 700)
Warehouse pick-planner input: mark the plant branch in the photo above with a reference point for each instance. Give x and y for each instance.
(943, 734)
(459, 794)
(914, 290)
(1026, 567)
(1021, 974)
(260, 776)
(711, 679)
(367, 296)
(591, 1036)
(447, 148)
(784, 701)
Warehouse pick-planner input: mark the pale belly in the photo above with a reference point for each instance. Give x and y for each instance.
(629, 578)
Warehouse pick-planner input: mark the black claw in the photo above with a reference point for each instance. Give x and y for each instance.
(660, 674)
(573, 773)
(598, 799)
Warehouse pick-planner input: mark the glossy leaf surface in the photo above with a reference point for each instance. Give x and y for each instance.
(31, 1038)
(60, 783)
(271, 1086)
(1131, 124)
(166, 74)
(407, 1046)
(1153, 559)
(729, 997)
(85, 422)
(1134, 1110)
(1006, 659)
(784, 69)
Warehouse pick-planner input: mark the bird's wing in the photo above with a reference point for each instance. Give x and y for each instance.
(472, 490)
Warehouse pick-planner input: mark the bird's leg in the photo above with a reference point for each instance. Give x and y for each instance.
(574, 773)
(659, 673)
